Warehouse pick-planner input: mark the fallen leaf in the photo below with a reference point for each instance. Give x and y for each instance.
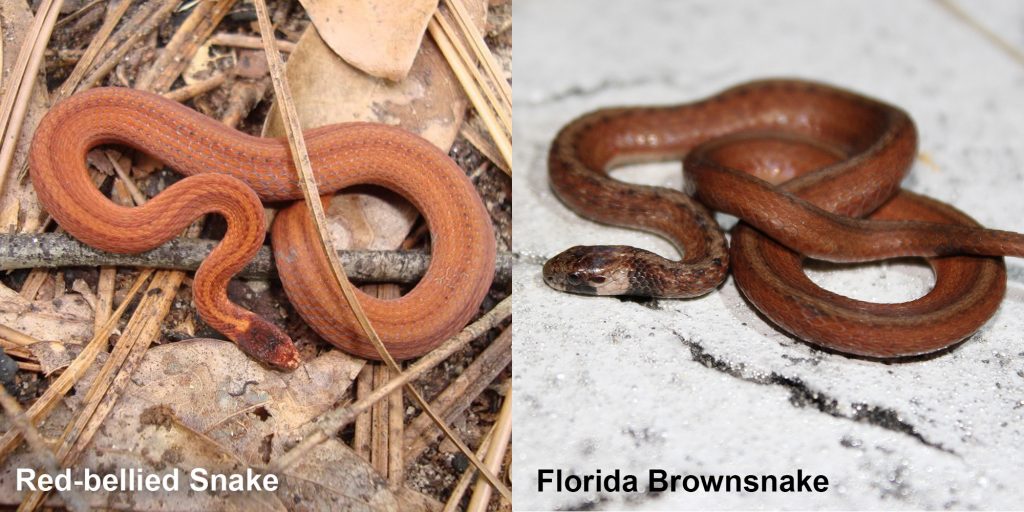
(327, 90)
(68, 318)
(380, 37)
(53, 356)
(204, 404)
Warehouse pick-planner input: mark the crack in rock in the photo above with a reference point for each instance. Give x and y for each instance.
(803, 396)
(583, 91)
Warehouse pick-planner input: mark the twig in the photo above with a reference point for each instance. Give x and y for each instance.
(189, 36)
(250, 42)
(15, 350)
(16, 337)
(24, 75)
(396, 436)
(122, 48)
(95, 45)
(504, 116)
(361, 438)
(310, 191)
(105, 285)
(458, 396)
(201, 87)
(462, 72)
(72, 498)
(31, 367)
(137, 196)
(113, 377)
(496, 453)
(60, 386)
(480, 49)
(379, 432)
(333, 421)
(1012, 51)
(78, 14)
(54, 250)
(452, 505)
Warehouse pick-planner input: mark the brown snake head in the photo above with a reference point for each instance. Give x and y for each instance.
(591, 270)
(268, 344)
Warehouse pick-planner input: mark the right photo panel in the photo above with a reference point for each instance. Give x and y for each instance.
(768, 255)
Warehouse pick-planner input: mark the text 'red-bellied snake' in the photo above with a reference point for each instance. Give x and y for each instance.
(800, 163)
(228, 173)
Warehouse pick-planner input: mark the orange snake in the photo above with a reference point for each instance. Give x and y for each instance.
(799, 163)
(226, 171)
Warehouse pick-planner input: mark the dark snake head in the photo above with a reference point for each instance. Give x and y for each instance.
(264, 342)
(590, 270)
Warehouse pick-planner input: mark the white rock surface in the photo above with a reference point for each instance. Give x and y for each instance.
(706, 386)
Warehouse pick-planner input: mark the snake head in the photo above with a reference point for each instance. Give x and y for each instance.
(590, 270)
(268, 344)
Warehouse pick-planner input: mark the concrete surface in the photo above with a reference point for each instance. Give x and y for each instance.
(707, 387)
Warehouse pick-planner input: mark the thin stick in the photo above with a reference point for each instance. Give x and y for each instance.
(78, 14)
(379, 431)
(26, 70)
(250, 42)
(1012, 51)
(483, 53)
(333, 421)
(55, 250)
(32, 367)
(462, 73)
(14, 350)
(311, 193)
(137, 196)
(61, 385)
(396, 436)
(361, 438)
(72, 498)
(458, 396)
(183, 94)
(452, 505)
(95, 45)
(174, 57)
(111, 61)
(16, 337)
(496, 454)
(503, 116)
(106, 284)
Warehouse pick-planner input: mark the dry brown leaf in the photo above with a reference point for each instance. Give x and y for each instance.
(380, 37)
(15, 19)
(203, 403)
(201, 65)
(66, 319)
(377, 220)
(53, 356)
(327, 90)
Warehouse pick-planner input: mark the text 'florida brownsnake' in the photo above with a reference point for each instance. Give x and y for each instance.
(228, 173)
(812, 171)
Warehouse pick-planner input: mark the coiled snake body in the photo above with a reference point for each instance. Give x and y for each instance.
(799, 163)
(227, 169)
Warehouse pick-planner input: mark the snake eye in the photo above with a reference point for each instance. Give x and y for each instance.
(575, 278)
(597, 279)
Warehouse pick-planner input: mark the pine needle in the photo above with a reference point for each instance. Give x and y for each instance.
(309, 189)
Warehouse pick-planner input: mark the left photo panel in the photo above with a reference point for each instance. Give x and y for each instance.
(256, 254)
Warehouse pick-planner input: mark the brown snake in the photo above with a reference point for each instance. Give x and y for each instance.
(226, 171)
(799, 163)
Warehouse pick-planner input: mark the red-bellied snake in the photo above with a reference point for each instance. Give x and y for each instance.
(799, 163)
(226, 171)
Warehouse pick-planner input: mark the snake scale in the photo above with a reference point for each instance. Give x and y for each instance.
(228, 173)
(812, 171)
